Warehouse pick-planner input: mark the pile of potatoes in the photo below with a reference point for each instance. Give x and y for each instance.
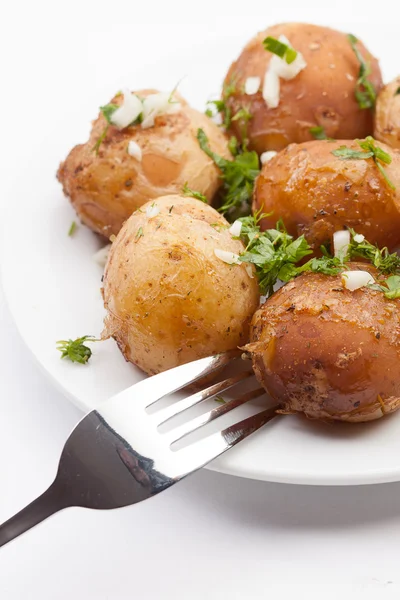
(317, 347)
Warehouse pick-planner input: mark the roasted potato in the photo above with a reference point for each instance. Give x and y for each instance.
(317, 193)
(169, 299)
(321, 95)
(387, 115)
(328, 352)
(106, 187)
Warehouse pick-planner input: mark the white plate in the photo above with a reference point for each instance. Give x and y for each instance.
(52, 285)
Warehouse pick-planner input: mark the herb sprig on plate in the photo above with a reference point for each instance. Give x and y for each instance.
(365, 92)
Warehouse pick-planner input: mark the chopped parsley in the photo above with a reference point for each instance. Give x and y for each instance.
(100, 139)
(220, 400)
(365, 92)
(75, 350)
(238, 176)
(72, 229)
(282, 50)
(369, 150)
(390, 287)
(108, 110)
(187, 191)
(318, 133)
(220, 106)
(139, 233)
(382, 260)
(397, 92)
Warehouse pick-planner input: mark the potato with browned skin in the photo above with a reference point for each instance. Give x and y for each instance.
(317, 193)
(169, 298)
(387, 115)
(107, 186)
(328, 352)
(321, 95)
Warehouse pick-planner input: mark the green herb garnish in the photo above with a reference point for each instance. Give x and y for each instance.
(370, 150)
(100, 140)
(318, 133)
(139, 234)
(365, 92)
(382, 260)
(220, 400)
(187, 191)
(397, 92)
(72, 229)
(220, 106)
(75, 350)
(282, 50)
(238, 176)
(108, 110)
(390, 287)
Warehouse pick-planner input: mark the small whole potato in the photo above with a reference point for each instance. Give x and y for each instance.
(169, 298)
(387, 115)
(107, 186)
(321, 95)
(327, 352)
(316, 193)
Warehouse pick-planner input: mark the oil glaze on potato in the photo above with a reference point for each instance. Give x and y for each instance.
(387, 116)
(316, 193)
(328, 352)
(105, 189)
(322, 94)
(169, 299)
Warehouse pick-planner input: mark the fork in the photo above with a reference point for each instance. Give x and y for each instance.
(117, 456)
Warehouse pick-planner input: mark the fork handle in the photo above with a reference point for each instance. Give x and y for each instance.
(50, 502)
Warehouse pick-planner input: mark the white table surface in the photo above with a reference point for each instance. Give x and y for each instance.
(212, 536)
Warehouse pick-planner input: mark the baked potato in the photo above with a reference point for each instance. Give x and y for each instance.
(321, 95)
(169, 298)
(325, 351)
(317, 193)
(387, 115)
(106, 184)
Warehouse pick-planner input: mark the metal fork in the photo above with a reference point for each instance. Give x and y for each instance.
(117, 456)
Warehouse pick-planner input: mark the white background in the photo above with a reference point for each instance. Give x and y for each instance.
(211, 536)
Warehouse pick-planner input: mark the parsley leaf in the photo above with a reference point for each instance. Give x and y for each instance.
(220, 106)
(390, 287)
(187, 191)
(397, 92)
(140, 233)
(238, 176)
(318, 133)
(382, 260)
(108, 110)
(219, 399)
(370, 150)
(282, 50)
(75, 350)
(365, 92)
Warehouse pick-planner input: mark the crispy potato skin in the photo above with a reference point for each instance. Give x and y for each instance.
(169, 299)
(328, 352)
(322, 94)
(387, 115)
(105, 189)
(316, 193)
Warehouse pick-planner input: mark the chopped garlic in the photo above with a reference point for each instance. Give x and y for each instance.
(236, 228)
(135, 150)
(359, 238)
(266, 156)
(354, 280)
(128, 112)
(158, 104)
(228, 257)
(279, 68)
(252, 85)
(341, 242)
(271, 89)
(152, 211)
(101, 255)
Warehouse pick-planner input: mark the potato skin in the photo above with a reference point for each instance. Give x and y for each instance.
(169, 299)
(105, 189)
(387, 114)
(322, 94)
(328, 352)
(317, 193)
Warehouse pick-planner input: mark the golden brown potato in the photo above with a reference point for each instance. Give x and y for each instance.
(330, 353)
(322, 94)
(169, 298)
(106, 188)
(317, 193)
(387, 115)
